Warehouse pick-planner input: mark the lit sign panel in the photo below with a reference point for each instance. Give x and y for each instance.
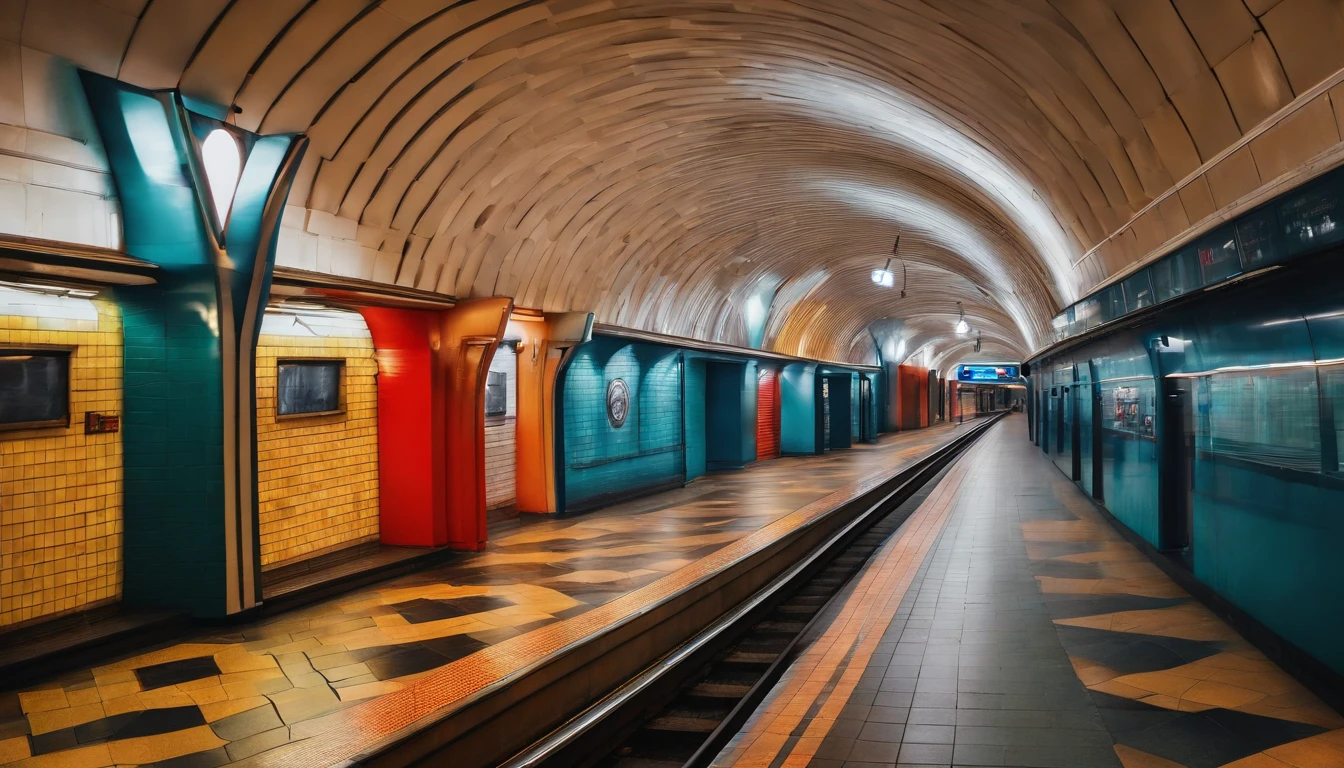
(988, 374)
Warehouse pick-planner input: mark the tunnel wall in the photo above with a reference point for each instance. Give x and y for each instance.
(1261, 359)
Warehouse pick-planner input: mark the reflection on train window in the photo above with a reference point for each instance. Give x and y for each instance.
(1334, 390)
(1128, 407)
(1269, 417)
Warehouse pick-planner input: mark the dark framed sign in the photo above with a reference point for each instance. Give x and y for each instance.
(309, 387)
(34, 388)
(618, 403)
(496, 393)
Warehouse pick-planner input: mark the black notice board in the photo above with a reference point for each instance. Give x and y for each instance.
(34, 387)
(496, 393)
(308, 386)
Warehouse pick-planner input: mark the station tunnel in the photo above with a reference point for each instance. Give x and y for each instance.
(637, 384)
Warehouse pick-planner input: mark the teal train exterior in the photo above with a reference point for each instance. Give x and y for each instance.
(1207, 419)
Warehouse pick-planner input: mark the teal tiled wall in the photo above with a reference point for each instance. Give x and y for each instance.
(603, 463)
(798, 409)
(695, 418)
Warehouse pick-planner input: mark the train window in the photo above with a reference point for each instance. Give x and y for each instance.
(1256, 233)
(1176, 274)
(308, 387)
(1269, 417)
(1138, 289)
(34, 388)
(1218, 257)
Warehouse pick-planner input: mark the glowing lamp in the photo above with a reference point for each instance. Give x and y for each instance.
(223, 164)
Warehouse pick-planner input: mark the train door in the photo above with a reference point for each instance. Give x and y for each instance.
(1177, 464)
(1047, 418)
(865, 410)
(1063, 440)
(825, 413)
(767, 415)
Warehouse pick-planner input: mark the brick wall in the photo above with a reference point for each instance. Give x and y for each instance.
(317, 475)
(61, 490)
(500, 436)
(605, 462)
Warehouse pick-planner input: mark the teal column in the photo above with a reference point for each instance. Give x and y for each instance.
(191, 534)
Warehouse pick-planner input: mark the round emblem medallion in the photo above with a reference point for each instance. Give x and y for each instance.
(618, 402)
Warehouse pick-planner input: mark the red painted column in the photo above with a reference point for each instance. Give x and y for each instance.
(413, 509)
(431, 420)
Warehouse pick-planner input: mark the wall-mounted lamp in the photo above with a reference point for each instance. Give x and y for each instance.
(223, 165)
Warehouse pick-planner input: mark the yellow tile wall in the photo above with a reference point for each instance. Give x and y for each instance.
(318, 475)
(61, 490)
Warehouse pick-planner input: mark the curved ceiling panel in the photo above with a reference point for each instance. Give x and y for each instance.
(677, 166)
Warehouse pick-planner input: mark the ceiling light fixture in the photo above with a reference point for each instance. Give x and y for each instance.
(884, 276)
(962, 326)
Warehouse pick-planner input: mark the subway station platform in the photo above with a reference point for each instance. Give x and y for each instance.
(323, 684)
(1007, 623)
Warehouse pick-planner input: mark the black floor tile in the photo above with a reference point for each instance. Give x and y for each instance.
(408, 661)
(211, 758)
(1215, 737)
(422, 610)
(174, 672)
(155, 721)
(53, 741)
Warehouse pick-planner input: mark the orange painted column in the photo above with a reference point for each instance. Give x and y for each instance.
(544, 340)
(469, 334)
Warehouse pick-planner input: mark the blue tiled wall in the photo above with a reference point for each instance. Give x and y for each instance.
(798, 409)
(602, 462)
(695, 418)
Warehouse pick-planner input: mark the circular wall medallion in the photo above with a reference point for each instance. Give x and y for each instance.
(618, 402)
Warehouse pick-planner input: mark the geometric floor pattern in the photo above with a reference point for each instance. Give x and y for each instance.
(230, 694)
(1029, 633)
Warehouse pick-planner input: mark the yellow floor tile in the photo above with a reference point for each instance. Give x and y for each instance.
(164, 746)
(94, 756)
(14, 749)
(43, 701)
(1133, 758)
(56, 719)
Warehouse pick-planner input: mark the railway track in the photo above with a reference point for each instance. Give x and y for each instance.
(681, 710)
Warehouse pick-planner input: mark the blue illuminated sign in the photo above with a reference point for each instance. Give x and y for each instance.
(987, 374)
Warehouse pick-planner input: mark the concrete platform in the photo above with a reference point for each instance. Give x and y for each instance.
(1007, 623)
(355, 673)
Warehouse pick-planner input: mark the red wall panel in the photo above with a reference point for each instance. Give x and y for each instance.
(767, 416)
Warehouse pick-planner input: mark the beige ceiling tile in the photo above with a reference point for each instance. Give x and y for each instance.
(165, 39)
(1157, 28)
(1260, 7)
(1337, 103)
(1172, 141)
(1116, 51)
(1207, 116)
(11, 84)
(1219, 26)
(11, 19)
(1197, 199)
(1254, 82)
(1296, 139)
(1149, 230)
(91, 35)
(1173, 215)
(1307, 34)
(1233, 177)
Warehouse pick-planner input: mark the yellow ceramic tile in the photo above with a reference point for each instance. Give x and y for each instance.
(164, 746)
(56, 719)
(44, 700)
(215, 711)
(94, 756)
(14, 749)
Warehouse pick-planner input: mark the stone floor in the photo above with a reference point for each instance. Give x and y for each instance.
(309, 683)
(1008, 624)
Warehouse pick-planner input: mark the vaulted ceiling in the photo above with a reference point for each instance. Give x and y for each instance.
(664, 164)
